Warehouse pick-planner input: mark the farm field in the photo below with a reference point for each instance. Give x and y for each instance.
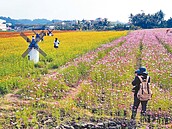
(14, 67)
(86, 82)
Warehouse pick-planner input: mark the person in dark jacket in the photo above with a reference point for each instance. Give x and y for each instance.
(136, 83)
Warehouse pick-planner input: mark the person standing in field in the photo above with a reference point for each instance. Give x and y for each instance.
(56, 43)
(140, 74)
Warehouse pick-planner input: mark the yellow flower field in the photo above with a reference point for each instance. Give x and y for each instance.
(72, 44)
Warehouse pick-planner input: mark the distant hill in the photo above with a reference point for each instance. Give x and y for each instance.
(28, 21)
(9, 20)
(35, 21)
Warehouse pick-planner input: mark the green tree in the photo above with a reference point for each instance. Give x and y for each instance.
(148, 21)
(169, 23)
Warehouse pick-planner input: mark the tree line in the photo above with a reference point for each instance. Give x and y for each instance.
(138, 21)
(149, 21)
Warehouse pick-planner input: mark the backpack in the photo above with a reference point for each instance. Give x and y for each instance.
(145, 92)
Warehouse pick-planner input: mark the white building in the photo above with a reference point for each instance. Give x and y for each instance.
(3, 26)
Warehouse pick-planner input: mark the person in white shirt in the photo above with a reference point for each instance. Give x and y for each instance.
(56, 43)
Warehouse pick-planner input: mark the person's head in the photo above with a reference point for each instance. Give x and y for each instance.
(143, 70)
(137, 72)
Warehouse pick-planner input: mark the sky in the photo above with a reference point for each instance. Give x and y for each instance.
(82, 9)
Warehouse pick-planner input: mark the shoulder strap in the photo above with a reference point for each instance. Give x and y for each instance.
(140, 79)
(147, 79)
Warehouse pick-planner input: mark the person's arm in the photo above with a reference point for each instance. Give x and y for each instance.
(135, 81)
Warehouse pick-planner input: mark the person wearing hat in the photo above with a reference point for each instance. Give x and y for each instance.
(136, 83)
(143, 70)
